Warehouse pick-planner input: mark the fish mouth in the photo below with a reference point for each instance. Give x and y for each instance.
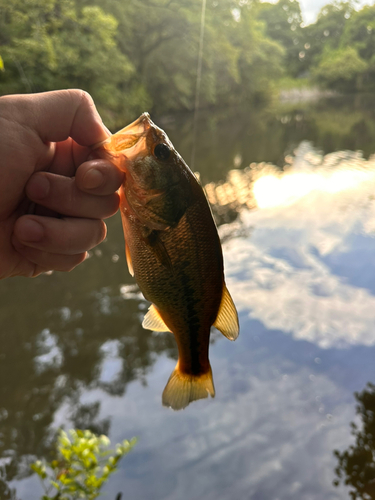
(128, 137)
(138, 127)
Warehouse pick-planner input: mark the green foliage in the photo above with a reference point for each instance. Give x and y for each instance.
(142, 54)
(57, 44)
(340, 69)
(282, 22)
(326, 32)
(82, 466)
(340, 47)
(360, 32)
(356, 465)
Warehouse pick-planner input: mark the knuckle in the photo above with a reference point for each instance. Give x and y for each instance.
(73, 263)
(81, 98)
(102, 231)
(86, 99)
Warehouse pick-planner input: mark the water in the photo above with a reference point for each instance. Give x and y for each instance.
(301, 270)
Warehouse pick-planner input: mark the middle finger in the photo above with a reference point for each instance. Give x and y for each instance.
(61, 194)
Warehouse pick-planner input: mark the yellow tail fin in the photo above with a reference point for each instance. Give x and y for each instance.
(183, 388)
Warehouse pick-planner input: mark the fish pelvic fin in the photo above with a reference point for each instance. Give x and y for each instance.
(153, 321)
(129, 260)
(183, 388)
(227, 318)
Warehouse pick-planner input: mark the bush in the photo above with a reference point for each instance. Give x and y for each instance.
(82, 466)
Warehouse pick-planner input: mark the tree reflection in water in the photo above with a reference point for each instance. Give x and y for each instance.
(53, 333)
(356, 465)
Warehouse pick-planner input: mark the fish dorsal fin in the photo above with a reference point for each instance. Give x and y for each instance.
(129, 259)
(153, 321)
(227, 318)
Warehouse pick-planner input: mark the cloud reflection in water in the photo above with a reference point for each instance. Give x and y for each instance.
(281, 273)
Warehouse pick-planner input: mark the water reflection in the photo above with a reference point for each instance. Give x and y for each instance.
(235, 138)
(286, 275)
(55, 348)
(302, 273)
(356, 464)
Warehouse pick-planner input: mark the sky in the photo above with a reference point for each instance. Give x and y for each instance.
(311, 8)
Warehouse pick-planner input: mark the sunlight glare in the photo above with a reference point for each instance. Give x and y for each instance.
(272, 191)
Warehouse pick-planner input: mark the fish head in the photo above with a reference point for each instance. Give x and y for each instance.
(157, 185)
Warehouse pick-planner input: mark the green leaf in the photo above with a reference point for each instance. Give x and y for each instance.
(55, 485)
(40, 468)
(66, 453)
(1, 64)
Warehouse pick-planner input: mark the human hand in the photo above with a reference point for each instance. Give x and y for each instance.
(52, 199)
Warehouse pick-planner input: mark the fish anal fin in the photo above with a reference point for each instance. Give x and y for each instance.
(227, 318)
(153, 321)
(129, 259)
(183, 388)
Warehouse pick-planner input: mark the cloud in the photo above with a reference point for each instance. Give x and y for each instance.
(310, 8)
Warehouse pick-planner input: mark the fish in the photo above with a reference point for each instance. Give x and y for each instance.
(174, 252)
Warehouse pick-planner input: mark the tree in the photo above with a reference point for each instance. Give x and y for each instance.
(326, 33)
(283, 24)
(55, 44)
(260, 58)
(139, 55)
(359, 33)
(340, 69)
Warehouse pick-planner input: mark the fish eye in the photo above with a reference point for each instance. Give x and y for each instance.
(162, 151)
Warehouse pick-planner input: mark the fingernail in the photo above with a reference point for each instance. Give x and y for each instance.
(30, 230)
(107, 130)
(93, 179)
(38, 187)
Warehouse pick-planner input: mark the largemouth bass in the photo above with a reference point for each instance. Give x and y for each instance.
(173, 250)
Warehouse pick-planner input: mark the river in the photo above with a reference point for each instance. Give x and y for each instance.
(292, 189)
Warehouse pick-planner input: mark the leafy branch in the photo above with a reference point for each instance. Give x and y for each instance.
(84, 463)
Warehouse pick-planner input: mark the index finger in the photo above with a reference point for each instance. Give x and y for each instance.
(60, 114)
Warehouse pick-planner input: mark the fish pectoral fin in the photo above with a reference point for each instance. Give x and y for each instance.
(153, 321)
(159, 250)
(129, 259)
(227, 318)
(183, 388)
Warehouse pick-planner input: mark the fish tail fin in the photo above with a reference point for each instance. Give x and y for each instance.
(183, 388)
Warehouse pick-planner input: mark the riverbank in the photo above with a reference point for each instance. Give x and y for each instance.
(305, 94)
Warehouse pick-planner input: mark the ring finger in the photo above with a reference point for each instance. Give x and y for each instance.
(68, 236)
